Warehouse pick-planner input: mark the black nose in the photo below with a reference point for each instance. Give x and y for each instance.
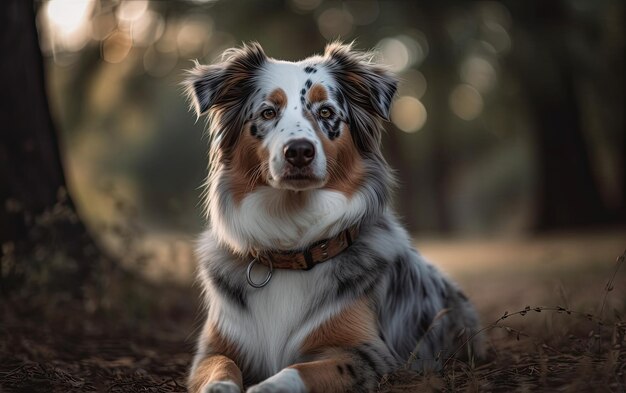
(299, 153)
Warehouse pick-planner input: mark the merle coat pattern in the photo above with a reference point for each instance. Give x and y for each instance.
(343, 324)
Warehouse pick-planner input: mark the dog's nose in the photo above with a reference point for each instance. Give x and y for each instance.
(299, 153)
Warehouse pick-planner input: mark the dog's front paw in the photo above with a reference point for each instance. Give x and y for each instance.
(221, 387)
(286, 381)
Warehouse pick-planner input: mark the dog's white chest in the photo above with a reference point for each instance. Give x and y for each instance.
(277, 319)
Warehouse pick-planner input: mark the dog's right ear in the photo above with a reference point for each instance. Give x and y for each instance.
(224, 83)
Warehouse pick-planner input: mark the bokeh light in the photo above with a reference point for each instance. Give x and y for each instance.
(67, 17)
(402, 52)
(497, 36)
(478, 72)
(67, 24)
(417, 43)
(394, 53)
(159, 63)
(364, 12)
(192, 34)
(305, 5)
(466, 102)
(129, 11)
(219, 42)
(412, 83)
(147, 29)
(116, 47)
(169, 38)
(494, 12)
(408, 114)
(102, 25)
(335, 23)
(137, 40)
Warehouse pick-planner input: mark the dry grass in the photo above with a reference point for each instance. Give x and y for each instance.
(559, 349)
(563, 330)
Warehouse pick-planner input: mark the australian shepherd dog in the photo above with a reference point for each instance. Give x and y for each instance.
(310, 282)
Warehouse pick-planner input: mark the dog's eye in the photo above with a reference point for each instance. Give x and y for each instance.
(268, 114)
(326, 112)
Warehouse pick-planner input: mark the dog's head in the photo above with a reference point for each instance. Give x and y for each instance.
(293, 125)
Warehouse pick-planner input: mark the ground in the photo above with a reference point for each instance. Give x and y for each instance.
(552, 309)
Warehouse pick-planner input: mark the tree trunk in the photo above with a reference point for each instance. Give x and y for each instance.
(442, 70)
(36, 214)
(567, 193)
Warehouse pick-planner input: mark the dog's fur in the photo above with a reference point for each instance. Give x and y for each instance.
(343, 324)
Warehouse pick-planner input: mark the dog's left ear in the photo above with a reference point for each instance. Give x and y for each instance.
(364, 83)
(227, 83)
(222, 90)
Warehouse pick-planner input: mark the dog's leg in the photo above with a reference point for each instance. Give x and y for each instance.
(333, 371)
(344, 354)
(214, 370)
(215, 374)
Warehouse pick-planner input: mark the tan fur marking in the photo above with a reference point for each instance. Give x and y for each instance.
(352, 326)
(217, 343)
(327, 375)
(219, 365)
(278, 98)
(317, 93)
(345, 164)
(334, 369)
(214, 368)
(249, 165)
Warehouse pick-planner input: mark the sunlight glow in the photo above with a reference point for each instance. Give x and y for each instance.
(68, 16)
(67, 25)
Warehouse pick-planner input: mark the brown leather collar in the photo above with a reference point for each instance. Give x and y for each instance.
(316, 253)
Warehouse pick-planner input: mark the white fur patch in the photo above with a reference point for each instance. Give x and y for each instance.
(265, 219)
(273, 326)
(288, 380)
(221, 387)
(291, 78)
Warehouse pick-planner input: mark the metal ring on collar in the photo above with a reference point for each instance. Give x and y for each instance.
(267, 278)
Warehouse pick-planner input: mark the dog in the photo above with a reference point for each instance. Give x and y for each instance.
(310, 282)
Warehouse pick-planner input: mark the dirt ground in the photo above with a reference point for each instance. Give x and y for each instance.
(554, 311)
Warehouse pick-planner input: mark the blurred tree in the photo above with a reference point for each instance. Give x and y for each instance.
(568, 194)
(539, 62)
(36, 215)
